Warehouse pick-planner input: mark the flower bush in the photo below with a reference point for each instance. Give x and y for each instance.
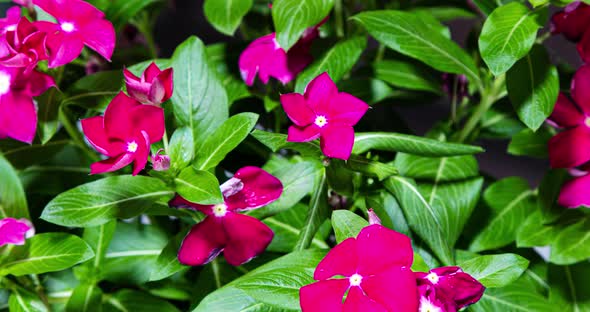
(268, 172)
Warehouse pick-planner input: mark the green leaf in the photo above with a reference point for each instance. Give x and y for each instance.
(100, 201)
(47, 252)
(199, 100)
(85, 298)
(407, 75)
(287, 228)
(572, 244)
(22, 155)
(443, 169)
(529, 143)
(318, 212)
(534, 233)
(120, 12)
(338, 61)
(397, 142)
(198, 186)
(347, 224)
(277, 141)
(507, 35)
(94, 91)
(99, 238)
(422, 218)
(292, 17)
(549, 190)
(226, 15)
(538, 3)
(516, 297)
(511, 201)
(133, 300)
(533, 87)
(227, 137)
(181, 148)
(389, 211)
(369, 167)
(167, 263)
(569, 287)
(13, 202)
(48, 104)
(22, 300)
(486, 6)
(406, 33)
(496, 270)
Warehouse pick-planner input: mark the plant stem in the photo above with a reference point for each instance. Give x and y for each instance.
(339, 18)
(144, 26)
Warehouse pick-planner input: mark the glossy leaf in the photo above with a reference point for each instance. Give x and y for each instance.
(167, 263)
(529, 143)
(181, 148)
(22, 300)
(99, 238)
(277, 141)
(85, 298)
(292, 17)
(287, 228)
(441, 169)
(516, 297)
(407, 75)
(389, 211)
(496, 270)
(120, 12)
(347, 224)
(318, 212)
(13, 202)
(569, 288)
(397, 142)
(198, 186)
(226, 15)
(572, 244)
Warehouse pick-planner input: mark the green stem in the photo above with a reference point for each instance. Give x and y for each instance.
(165, 142)
(144, 26)
(339, 18)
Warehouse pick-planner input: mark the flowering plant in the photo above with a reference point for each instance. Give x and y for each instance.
(144, 167)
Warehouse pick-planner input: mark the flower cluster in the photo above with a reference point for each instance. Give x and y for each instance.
(574, 24)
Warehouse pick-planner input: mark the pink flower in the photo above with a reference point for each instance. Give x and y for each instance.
(9, 22)
(78, 24)
(325, 113)
(572, 22)
(571, 147)
(574, 193)
(447, 289)
(584, 46)
(124, 134)
(376, 270)
(18, 114)
(25, 46)
(160, 162)
(240, 237)
(154, 87)
(13, 231)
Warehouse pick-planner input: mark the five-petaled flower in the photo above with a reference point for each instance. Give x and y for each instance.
(124, 134)
(376, 270)
(240, 237)
(154, 87)
(447, 289)
(574, 23)
(15, 232)
(324, 112)
(25, 46)
(78, 24)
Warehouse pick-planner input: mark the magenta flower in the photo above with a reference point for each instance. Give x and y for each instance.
(124, 134)
(574, 193)
(376, 270)
(78, 24)
(14, 232)
(9, 22)
(18, 114)
(160, 162)
(154, 87)
(25, 46)
(323, 112)
(447, 289)
(571, 147)
(584, 47)
(572, 22)
(240, 237)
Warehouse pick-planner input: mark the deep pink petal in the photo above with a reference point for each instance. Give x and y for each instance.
(584, 47)
(13, 14)
(179, 202)
(461, 287)
(258, 53)
(347, 109)
(572, 22)
(117, 119)
(323, 296)
(581, 88)
(151, 72)
(565, 113)
(162, 87)
(143, 152)
(136, 88)
(19, 116)
(149, 119)
(99, 35)
(337, 140)
(93, 129)
(14, 232)
(303, 134)
(575, 193)
(70, 10)
(395, 289)
(111, 164)
(319, 93)
(382, 248)
(247, 238)
(203, 243)
(570, 148)
(258, 188)
(296, 108)
(63, 48)
(340, 260)
(357, 301)
(39, 82)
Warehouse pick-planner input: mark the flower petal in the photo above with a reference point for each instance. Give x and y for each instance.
(99, 35)
(323, 296)
(584, 47)
(565, 113)
(319, 93)
(203, 243)
(581, 88)
(140, 157)
(111, 164)
(382, 248)
(340, 260)
(337, 140)
(247, 238)
(13, 231)
(150, 119)
(267, 59)
(575, 193)
(117, 119)
(39, 82)
(357, 301)
(570, 148)
(259, 188)
(63, 48)
(296, 108)
(347, 109)
(179, 202)
(462, 288)
(151, 72)
(162, 87)
(136, 89)
(572, 22)
(95, 134)
(303, 134)
(18, 116)
(395, 289)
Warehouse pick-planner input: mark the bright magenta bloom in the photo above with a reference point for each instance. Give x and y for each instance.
(78, 24)
(124, 134)
(154, 87)
(240, 237)
(574, 193)
(323, 112)
(13, 231)
(376, 270)
(18, 114)
(25, 46)
(447, 289)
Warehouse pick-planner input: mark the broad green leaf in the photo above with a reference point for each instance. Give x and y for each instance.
(441, 169)
(369, 167)
(338, 61)
(47, 252)
(223, 58)
(406, 33)
(22, 155)
(181, 148)
(534, 233)
(347, 224)
(13, 202)
(277, 141)
(99, 202)
(397, 142)
(511, 201)
(572, 244)
(538, 3)
(499, 124)
(340, 179)
(549, 190)
(389, 211)
(120, 12)
(407, 75)
(99, 238)
(516, 297)
(434, 24)
(226, 15)
(318, 212)
(507, 35)
(48, 113)
(287, 228)
(496, 270)
(529, 143)
(569, 287)
(292, 17)
(167, 263)
(422, 218)
(533, 87)
(22, 300)
(199, 99)
(133, 300)
(85, 298)
(227, 137)
(198, 186)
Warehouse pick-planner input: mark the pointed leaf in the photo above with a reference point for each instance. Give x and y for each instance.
(407, 75)
(198, 186)
(347, 224)
(85, 298)
(226, 15)
(397, 142)
(496, 270)
(443, 169)
(13, 202)
(318, 212)
(292, 17)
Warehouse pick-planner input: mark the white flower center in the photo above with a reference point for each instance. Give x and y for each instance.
(132, 147)
(67, 27)
(427, 306)
(219, 210)
(4, 83)
(355, 280)
(321, 121)
(433, 278)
